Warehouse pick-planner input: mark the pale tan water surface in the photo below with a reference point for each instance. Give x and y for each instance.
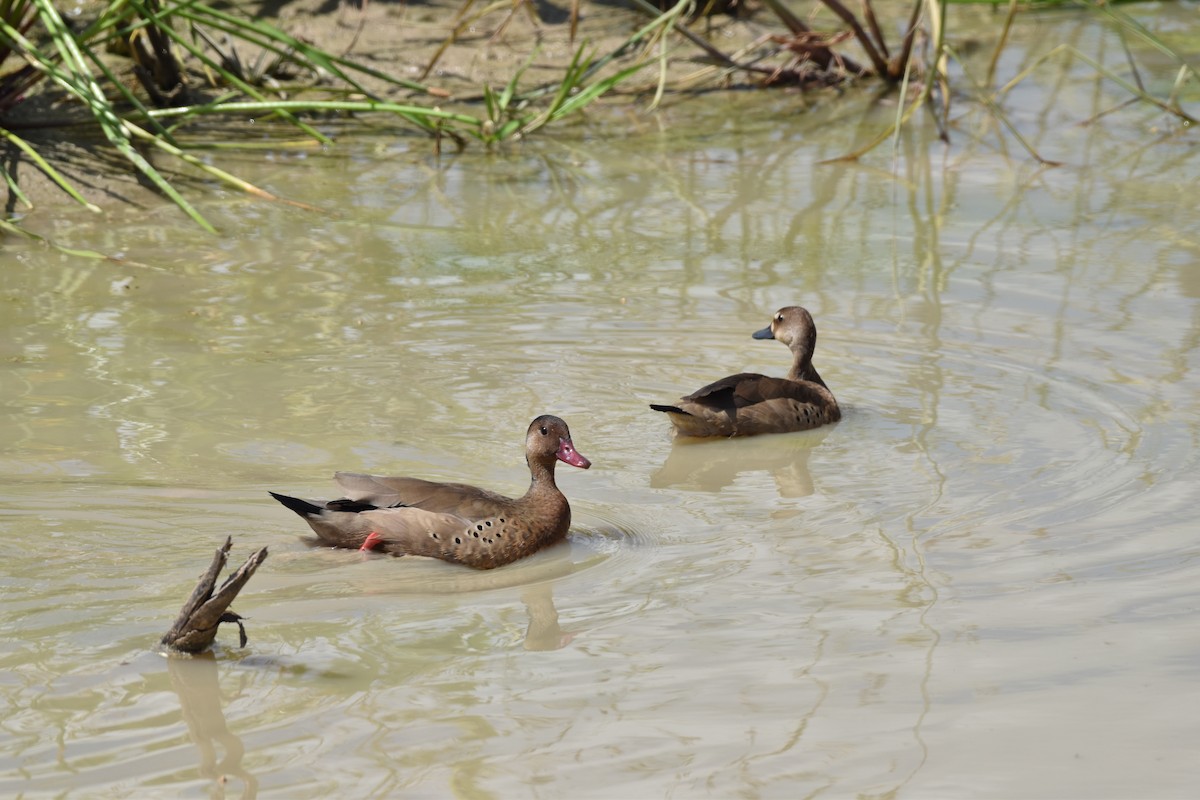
(982, 582)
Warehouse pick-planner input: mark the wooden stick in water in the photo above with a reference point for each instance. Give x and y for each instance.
(196, 627)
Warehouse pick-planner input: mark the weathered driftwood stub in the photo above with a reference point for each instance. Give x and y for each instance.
(196, 627)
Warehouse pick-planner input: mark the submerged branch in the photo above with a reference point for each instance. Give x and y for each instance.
(196, 627)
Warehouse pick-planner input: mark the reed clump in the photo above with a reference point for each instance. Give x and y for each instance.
(144, 73)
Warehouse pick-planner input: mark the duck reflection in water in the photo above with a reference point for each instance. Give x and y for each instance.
(705, 465)
(544, 632)
(534, 579)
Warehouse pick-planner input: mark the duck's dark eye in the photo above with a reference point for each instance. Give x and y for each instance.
(779, 317)
(544, 431)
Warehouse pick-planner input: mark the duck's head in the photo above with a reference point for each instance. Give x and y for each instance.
(793, 326)
(549, 439)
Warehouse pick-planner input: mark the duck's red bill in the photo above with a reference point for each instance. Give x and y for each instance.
(568, 454)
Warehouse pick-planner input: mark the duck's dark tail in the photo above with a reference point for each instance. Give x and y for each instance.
(668, 409)
(301, 507)
(307, 509)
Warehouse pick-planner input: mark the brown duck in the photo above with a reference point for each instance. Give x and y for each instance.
(451, 521)
(747, 403)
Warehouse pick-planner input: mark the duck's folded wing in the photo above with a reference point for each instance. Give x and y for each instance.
(386, 492)
(764, 389)
(748, 404)
(720, 395)
(775, 405)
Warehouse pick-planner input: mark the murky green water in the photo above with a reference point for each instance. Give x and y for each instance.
(982, 582)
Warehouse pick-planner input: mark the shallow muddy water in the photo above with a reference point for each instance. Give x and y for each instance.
(982, 582)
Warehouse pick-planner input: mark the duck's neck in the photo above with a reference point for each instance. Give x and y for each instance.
(541, 479)
(548, 516)
(803, 369)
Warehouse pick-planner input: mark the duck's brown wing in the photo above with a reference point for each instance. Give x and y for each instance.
(446, 498)
(729, 393)
(777, 405)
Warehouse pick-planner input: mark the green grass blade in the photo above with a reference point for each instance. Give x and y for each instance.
(570, 80)
(82, 84)
(283, 43)
(11, 227)
(45, 167)
(511, 87)
(164, 186)
(1129, 23)
(489, 104)
(15, 188)
(508, 129)
(125, 92)
(593, 92)
(216, 172)
(234, 80)
(361, 106)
